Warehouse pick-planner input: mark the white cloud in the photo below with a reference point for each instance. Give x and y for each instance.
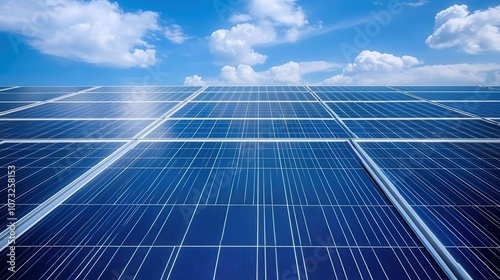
(236, 43)
(290, 73)
(96, 32)
(374, 68)
(194, 80)
(282, 12)
(375, 61)
(175, 34)
(266, 22)
(472, 32)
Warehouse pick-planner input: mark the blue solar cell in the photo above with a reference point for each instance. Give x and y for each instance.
(458, 95)
(442, 88)
(423, 128)
(71, 129)
(349, 88)
(123, 96)
(252, 110)
(189, 199)
(46, 89)
(454, 189)
(256, 96)
(482, 109)
(95, 110)
(392, 110)
(4, 106)
(44, 169)
(249, 129)
(363, 96)
(146, 89)
(28, 96)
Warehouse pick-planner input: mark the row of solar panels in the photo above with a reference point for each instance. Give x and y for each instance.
(147, 215)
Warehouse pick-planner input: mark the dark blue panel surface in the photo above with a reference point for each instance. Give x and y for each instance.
(256, 96)
(482, 109)
(28, 96)
(442, 88)
(349, 88)
(198, 206)
(249, 129)
(47, 89)
(252, 110)
(458, 95)
(44, 169)
(362, 96)
(71, 129)
(392, 110)
(125, 96)
(4, 106)
(423, 128)
(95, 110)
(454, 188)
(145, 89)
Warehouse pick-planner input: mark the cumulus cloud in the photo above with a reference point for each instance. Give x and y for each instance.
(374, 68)
(265, 22)
(175, 34)
(96, 32)
(291, 73)
(194, 80)
(472, 32)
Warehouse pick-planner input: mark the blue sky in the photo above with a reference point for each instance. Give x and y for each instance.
(418, 42)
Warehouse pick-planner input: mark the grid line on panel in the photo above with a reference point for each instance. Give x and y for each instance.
(33, 217)
(46, 101)
(438, 104)
(332, 112)
(165, 117)
(452, 268)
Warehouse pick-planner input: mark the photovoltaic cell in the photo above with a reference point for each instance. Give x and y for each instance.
(147, 89)
(349, 88)
(392, 110)
(95, 110)
(457, 129)
(363, 96)
(28, 96)
(42, 169)
(194, 128)
(122, 96)
(441, 88)
(71, 129)
(45, 89)
(280, 89)
(454, 95)
(181, 205)
(252, 110)
(6, 106)
(482, 109)
(256, 96)
(454, 189)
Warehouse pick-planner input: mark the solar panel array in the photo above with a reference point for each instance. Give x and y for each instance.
(251, 182)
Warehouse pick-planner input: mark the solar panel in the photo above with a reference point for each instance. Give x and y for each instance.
(45, 89)
(28, 96)
(252, 182)
(454, 188)
(458, 95)
(44, 168)
(212, 128)
(482, 109)
(392, 110)
(71, 129)
(125, 96)
(252, 110)
(160, 199)
(95, 110)
(457, 129)
(146, 89)
(256, 96)
(6, 106)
